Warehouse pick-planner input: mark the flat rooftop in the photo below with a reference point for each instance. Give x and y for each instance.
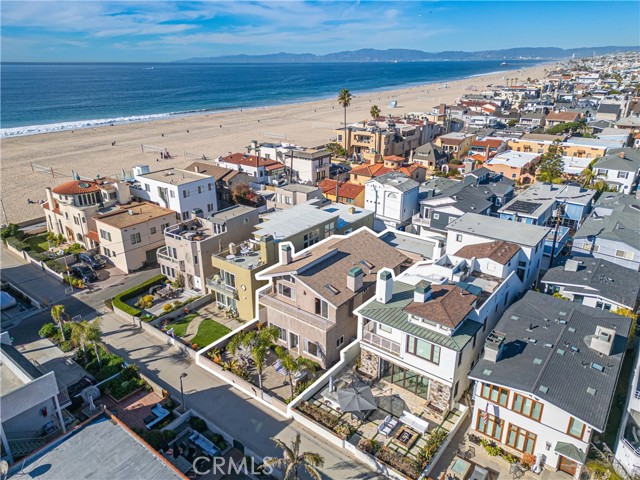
(102, 448)
(9, 381)
(347, 213)
(409, 243)
(499, 229)
(174, 176)
(283, 224)
(513, 158)
(135, 213)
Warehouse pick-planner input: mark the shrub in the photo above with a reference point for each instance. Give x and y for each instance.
(167, 308)
(66, 346)
(55, 265)
(48, 330)
(120, 299)
(145, 301)
(218, 440)
(197, 424)
(74, 248)
(11, 231)
(17, 244)
(431, 447)
(159, 440)
(528, 460)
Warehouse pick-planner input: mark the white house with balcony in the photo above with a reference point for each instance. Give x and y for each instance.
(394, 199)
(473, 229)
(182, 191)
(424, 329)
(547, 381)
(309, 165)
(620, 169)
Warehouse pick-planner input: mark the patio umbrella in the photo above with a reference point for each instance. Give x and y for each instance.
(356, 399)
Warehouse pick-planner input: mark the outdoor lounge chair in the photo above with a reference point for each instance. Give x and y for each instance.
(387, 426)
(411, 420)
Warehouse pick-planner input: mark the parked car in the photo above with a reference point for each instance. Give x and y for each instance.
(84, 272)
(93, 259)
(7, 301)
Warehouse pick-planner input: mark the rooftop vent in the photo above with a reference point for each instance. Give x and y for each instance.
(571, 266)
(591, 391)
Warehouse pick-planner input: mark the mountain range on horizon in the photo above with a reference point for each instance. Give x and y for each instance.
(407, 55)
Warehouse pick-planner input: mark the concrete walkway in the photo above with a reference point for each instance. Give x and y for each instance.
(192, 328)
(232, 411)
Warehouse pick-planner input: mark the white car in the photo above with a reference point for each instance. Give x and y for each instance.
(7, 301)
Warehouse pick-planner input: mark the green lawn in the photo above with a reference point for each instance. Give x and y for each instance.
(208, 332)
(180, 327)
(38, 243)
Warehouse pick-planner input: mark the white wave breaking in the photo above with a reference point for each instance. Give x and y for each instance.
(77, 125)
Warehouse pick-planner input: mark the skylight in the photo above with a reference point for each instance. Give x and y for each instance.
(332, 289)
(537, 361)
(572, 330)
(560, 351)
(597, 366)
(591, 390)
(543, 388)
(487, 372)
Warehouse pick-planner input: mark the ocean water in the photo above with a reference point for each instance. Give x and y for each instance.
(37, 98)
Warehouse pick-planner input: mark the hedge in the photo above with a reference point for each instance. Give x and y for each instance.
(119, 300)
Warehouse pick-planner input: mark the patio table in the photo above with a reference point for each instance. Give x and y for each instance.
(459, 469)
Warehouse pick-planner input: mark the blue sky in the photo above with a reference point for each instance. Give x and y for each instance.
(163, 31)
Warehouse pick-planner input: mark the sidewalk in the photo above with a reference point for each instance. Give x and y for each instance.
(230, 410)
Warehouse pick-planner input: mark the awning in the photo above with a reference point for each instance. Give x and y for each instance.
(93, 236)
(569, 450)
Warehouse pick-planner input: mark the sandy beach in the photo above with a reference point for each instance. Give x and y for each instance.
(90, 151)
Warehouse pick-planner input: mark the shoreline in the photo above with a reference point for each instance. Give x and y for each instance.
(43, 128)
(89, 151)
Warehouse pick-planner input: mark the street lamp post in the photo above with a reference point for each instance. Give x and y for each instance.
(182, 392)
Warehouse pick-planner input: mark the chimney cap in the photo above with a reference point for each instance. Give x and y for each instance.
(355, 271)
(423, 286)
(385, 275)
(285, 248)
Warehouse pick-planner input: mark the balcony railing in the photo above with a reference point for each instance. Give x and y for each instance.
(268, 298)
(630, 446)
(381, 342)
(162, 254)
(218, 285)
(637, 394)
(417, 219)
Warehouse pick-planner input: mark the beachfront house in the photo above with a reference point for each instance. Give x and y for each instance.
(226, 180)
(71, 207)
(261, 170)
(547, 380)
(394, 199)
(309, 165)
(189, 245)
(455, 144)
(183, 191)
(130, 237)
(311, 296)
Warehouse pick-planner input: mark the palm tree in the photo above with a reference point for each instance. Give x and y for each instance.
(292, 460)
(375, 111)
(293, 364)
(94, 332)
(79, 335)
(344, 99)
(58, 313)
(258, 343)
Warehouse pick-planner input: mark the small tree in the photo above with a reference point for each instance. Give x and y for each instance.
(58, 314)
(293, 460)
(80, 335)
(258, 343)
(240, 192)
(293, 364)
(551, 166)
(375, 111)
(179, 281)
(94, 332)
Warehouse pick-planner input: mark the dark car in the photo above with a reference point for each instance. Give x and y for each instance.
(84, 272)
(93, 259)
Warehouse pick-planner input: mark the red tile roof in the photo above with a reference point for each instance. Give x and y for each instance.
(489, 142)
(345, 190)
(371, 170)
(394, 158)
(76, 187)
(449, 305)
(562, 117)
(274, 166)
(248, 160)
